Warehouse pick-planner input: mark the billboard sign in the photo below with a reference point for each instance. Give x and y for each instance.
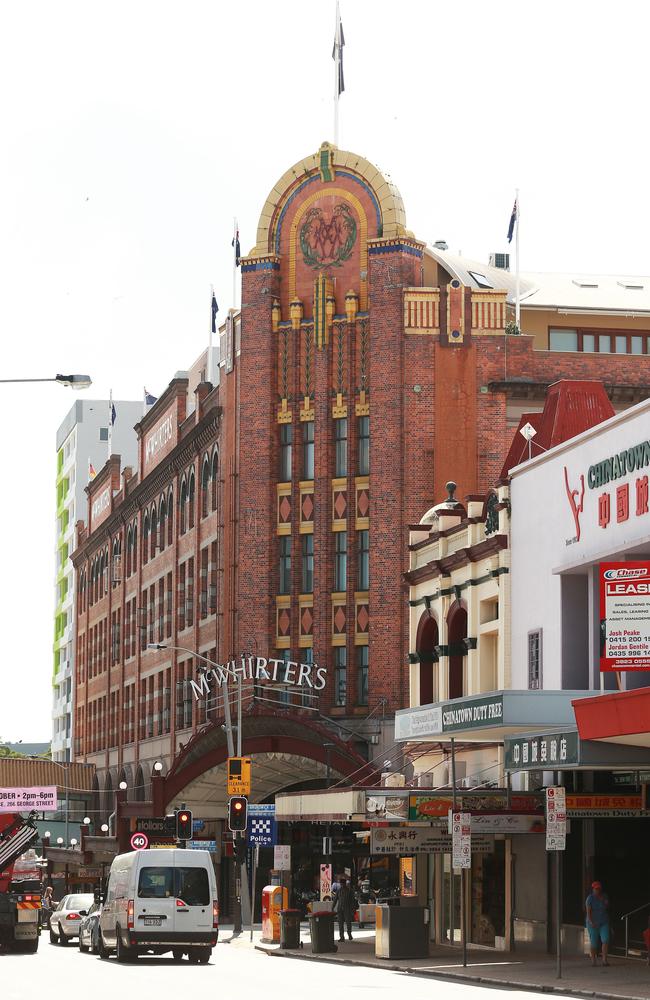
(39, 799)
(624, 616)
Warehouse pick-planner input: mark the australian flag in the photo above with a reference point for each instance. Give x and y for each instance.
(235, 244)
(215, 310)
(513, 220)
(149, 400)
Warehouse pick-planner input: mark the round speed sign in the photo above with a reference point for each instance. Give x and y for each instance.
(139, 841)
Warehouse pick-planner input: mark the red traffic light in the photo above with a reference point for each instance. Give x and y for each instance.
(184, 824)
(237, 813)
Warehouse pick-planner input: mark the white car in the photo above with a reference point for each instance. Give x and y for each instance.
(65, 920)
(160, 900)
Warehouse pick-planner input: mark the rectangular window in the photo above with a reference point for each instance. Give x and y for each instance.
(363, 560)
(588, 343)
(362, 675)
(637, 345)
(103, 433)
(283, 695)
(341, 450)
(563, 340)
(340, 675)
(535, 660)
(308, 449)
(340, 560)
(285, 565)
(363, 438)
(307, 564)
(621, 344)
(286, 443)
(605, 343)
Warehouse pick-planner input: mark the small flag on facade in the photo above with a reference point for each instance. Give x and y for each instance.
(215, 307)
(235, 244)
(513, 220)
(337, 51)
(112, 414)
(91, 470)
(149, 400)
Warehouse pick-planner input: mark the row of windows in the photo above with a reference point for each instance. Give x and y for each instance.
(340, 562)
(340, 449)
(595, 342)
(341, 692)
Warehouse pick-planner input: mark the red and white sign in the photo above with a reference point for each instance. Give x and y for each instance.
(139, 842)
(325, 882)
(625, 616)
(555, 819)
(461, 839)
(41, 799)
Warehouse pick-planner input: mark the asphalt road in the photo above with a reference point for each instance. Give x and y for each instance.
(234, 970)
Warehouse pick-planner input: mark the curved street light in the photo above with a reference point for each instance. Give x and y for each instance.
(71, 381)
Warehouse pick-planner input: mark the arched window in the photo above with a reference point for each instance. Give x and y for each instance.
(190, 499)
(116, 570)
(145, 539)
(427, 640)
(129, 550)
(205, 487)
(213, 478)
(154, 530)
(162, 534)
(456, 632)
(135, 547)
(106, 569)
(182, 507)
(170, 517)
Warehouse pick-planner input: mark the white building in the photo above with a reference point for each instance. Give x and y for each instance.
(81, 440)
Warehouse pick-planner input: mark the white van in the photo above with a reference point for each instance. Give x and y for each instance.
(160, 900)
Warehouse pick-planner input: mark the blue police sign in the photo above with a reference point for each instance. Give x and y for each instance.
(262, 830)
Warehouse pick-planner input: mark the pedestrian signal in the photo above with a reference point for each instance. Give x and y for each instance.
(183, 824)
(238, 813)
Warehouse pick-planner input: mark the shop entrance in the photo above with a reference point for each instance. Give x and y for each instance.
(488, 901)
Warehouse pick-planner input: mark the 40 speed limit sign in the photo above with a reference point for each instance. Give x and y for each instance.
(139, 842)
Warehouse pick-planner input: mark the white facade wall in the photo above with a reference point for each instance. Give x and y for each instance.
(79, 441)
(555, 572)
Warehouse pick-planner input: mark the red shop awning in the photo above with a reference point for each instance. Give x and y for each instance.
(620, 717)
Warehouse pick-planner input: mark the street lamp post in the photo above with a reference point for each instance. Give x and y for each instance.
(71, 381)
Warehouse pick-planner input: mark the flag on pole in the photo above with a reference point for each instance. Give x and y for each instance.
(112, 413)
(215, 308)
(513, 220)
(235, 244)
(91, 471)
(149, 400)
(337, 52)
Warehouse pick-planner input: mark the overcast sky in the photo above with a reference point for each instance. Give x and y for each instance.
(132, 133)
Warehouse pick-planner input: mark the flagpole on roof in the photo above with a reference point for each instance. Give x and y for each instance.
(110, 422)
(337, 56)
(235, 261)
(517, 288)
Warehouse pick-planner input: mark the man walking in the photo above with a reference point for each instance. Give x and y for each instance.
(597, 906)
(344, 906)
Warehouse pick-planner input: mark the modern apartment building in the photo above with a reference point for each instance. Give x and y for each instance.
(81, 441)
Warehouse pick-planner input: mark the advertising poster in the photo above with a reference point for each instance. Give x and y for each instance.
(388, 807)
(625, 616)
(40, 799)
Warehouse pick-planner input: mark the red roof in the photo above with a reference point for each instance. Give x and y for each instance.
(615, 715)
(571, 407)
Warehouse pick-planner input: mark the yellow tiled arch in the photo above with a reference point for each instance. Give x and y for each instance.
(391, 206)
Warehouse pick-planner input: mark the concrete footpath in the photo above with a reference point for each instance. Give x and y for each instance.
(506, 970)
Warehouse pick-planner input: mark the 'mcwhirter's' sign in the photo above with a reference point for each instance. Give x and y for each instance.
(260, 668)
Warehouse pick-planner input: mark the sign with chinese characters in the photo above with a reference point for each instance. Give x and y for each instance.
(41, 799)
(325, 882)
(584, 806)
(461, 839)
(435, 808)
(555, 819)
(418, 840)
(625, 616)
(548, 750)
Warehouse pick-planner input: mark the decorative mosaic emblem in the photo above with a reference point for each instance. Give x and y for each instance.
(328, 242)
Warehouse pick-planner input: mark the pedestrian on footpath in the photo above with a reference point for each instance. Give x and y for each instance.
(344, 906)
(597, 906)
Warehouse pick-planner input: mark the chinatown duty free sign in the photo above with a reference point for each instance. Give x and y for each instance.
(625, 616)
(260, 668)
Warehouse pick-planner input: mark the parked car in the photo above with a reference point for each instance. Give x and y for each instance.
(65, 920)
(160, 900)
(89, 930)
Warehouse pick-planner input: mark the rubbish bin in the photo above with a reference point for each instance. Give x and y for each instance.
(321, 930)
(289, 928)
(402, 932)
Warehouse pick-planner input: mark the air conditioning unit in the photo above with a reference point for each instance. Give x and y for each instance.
(391, 779)
(470, 782)
(425, 780)
(500, 260)
(374, 739)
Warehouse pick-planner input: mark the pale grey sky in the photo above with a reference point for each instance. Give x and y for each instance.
(132, 133)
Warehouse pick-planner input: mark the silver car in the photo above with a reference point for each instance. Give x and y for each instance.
(89, 930)
(65, 920)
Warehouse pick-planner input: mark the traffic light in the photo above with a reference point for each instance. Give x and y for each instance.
(183, 824)
(237, 813)
(240, 851)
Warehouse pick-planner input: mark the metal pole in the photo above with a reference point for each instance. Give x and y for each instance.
(227, 720)
(558, 914)
(517, 284)
(256, 861)
(452, 887)
(67, 803)
(239, 719)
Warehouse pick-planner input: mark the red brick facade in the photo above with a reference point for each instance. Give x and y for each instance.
(335, 326)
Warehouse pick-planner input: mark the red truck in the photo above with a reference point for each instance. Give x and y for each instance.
(20, 884)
